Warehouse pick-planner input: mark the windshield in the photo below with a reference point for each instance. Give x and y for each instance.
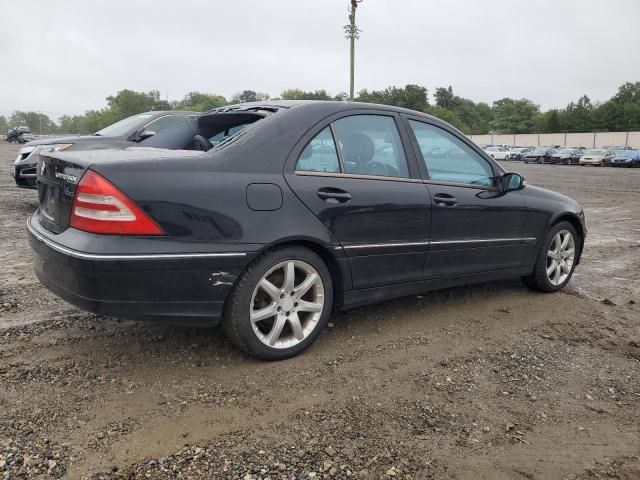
(624, 153)
(125, 126)
(566, 150)
(540, 151)
(594, 151)
(493, 149)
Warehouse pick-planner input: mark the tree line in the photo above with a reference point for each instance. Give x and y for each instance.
(507, 115)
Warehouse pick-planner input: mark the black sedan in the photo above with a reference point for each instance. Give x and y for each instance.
(539, 155)
(566, 156)
(122, 134)
(307, 207)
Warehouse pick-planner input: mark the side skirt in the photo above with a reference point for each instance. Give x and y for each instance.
(365, 296)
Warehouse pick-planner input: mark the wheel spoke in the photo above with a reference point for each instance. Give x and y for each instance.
(568, 253)
(551, 268)
(551, 254)
(296, 326)
(264, 313)
(289, 277)
(270, 288)
(557, 273)
(565, 267)
(565, 240)
(309, 306)
(276, 330)
(306, 284)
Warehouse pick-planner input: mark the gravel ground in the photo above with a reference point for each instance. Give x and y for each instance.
(484, 382)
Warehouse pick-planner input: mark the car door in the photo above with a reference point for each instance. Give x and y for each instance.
(355, 174)
(474, 226)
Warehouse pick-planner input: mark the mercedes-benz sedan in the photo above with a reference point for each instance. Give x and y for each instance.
(307, 207)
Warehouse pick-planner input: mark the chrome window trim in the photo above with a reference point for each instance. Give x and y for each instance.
(151, 256)
(357, 176)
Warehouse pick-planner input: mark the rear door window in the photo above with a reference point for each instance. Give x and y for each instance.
(320, 154)
(371, 145)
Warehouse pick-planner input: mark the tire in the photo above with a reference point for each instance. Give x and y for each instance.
(506, 158)
(602, 163)
(253, 337)
(539, 279)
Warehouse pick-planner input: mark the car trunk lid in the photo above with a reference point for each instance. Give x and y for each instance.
(57, 180)
(58, 174)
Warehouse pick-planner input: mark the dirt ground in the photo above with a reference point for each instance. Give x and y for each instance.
(485, 382)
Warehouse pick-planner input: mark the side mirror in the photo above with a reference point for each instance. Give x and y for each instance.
(145, 134)
(512, 181)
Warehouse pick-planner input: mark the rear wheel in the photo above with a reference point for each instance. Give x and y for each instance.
(280, 304)
(556, 260)
(602, 164)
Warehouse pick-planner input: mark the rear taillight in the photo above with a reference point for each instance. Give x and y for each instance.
(99, 207)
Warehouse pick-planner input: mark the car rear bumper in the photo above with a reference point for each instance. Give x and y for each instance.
(181, 288)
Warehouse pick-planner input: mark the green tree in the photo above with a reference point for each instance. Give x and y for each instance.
(448, 116)
(249, 96)
(446, 99)
(4, 124)
(411, 96)
(622, 111)
(297, 94)
(200, 102)
(578, 116)
(39, 123)
(514, 116)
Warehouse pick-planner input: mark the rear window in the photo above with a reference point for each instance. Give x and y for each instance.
(123, 127)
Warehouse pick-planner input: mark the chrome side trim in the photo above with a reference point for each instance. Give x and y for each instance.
(383, 245)
(436, 242)
(483, 240)
(151, 256)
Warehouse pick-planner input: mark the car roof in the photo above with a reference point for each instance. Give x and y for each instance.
(323, 105)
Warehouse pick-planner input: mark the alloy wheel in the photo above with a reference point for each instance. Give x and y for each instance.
(287, 304)
(560, 257)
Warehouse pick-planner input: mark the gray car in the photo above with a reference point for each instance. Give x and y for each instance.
(122, 134)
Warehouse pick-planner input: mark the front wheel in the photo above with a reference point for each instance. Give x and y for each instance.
(602, 163)
(556, 260)
(280, 304)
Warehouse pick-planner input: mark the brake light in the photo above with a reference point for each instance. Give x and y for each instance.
(99, 207)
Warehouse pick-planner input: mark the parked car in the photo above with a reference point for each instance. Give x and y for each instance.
(539, 155)
(596, 156)
(518, 153)
(267, 232)
(626, 158)
(20, 134)
(617, 147)
(121, 134)
(498, 153)
(566, 156)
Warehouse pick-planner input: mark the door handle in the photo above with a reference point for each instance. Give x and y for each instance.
(334, 195)
(444, 200)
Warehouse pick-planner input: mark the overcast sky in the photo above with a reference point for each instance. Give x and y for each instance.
(64, 57)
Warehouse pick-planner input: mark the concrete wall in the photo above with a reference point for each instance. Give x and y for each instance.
(593, 139)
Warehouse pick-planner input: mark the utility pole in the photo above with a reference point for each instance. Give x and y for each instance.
(352, 32)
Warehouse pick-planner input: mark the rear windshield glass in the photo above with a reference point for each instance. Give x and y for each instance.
(125, 126)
